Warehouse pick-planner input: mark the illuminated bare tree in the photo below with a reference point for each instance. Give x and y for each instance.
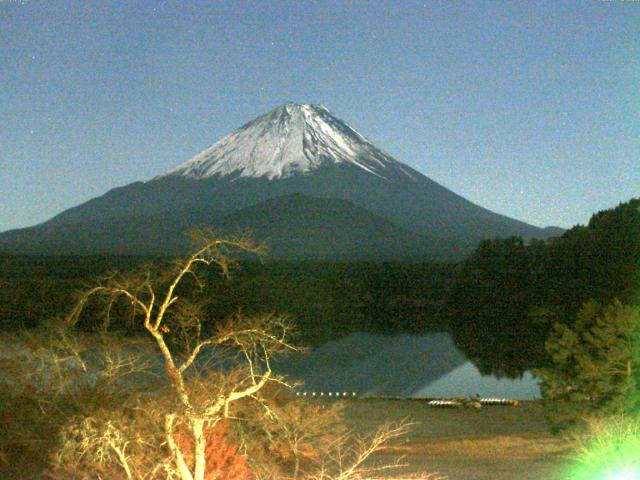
(177, 327)
(113, 420)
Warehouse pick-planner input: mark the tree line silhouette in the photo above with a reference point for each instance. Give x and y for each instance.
(500, 304)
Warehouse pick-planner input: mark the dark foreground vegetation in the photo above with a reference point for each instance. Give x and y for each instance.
(506, 298)
(569, 309)
(327, 300)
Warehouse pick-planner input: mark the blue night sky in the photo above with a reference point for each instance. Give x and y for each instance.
(531, 109)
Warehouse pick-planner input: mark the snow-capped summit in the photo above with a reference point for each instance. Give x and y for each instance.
(293, 138)
(296, 176)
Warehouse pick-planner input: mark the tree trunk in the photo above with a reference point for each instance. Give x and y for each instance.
(199, 441)
(296, 470)
(181, 465)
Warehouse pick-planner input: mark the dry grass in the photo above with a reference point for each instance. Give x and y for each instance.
(522, 446)
(491, 443)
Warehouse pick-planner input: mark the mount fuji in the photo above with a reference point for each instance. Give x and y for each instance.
(299, 178)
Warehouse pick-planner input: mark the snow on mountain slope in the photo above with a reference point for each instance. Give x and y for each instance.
(293, 138)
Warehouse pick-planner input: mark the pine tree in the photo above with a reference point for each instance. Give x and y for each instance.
(595, 365)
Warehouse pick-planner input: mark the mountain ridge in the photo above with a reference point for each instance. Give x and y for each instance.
(295, 227)
(294, 149)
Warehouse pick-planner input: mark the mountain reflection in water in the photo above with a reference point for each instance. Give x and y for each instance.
(411, 366)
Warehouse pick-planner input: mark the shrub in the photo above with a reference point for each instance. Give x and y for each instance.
(222, 458)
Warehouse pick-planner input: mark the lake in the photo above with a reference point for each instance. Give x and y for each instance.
(370, 365)
(409, 366)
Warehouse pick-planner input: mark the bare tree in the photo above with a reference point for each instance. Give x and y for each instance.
(176, 324)
(117, 423)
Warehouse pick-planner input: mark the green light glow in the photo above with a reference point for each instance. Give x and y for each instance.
(610, 451)
(633, 474)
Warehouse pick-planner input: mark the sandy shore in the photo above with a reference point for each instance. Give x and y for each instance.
(491, 443)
